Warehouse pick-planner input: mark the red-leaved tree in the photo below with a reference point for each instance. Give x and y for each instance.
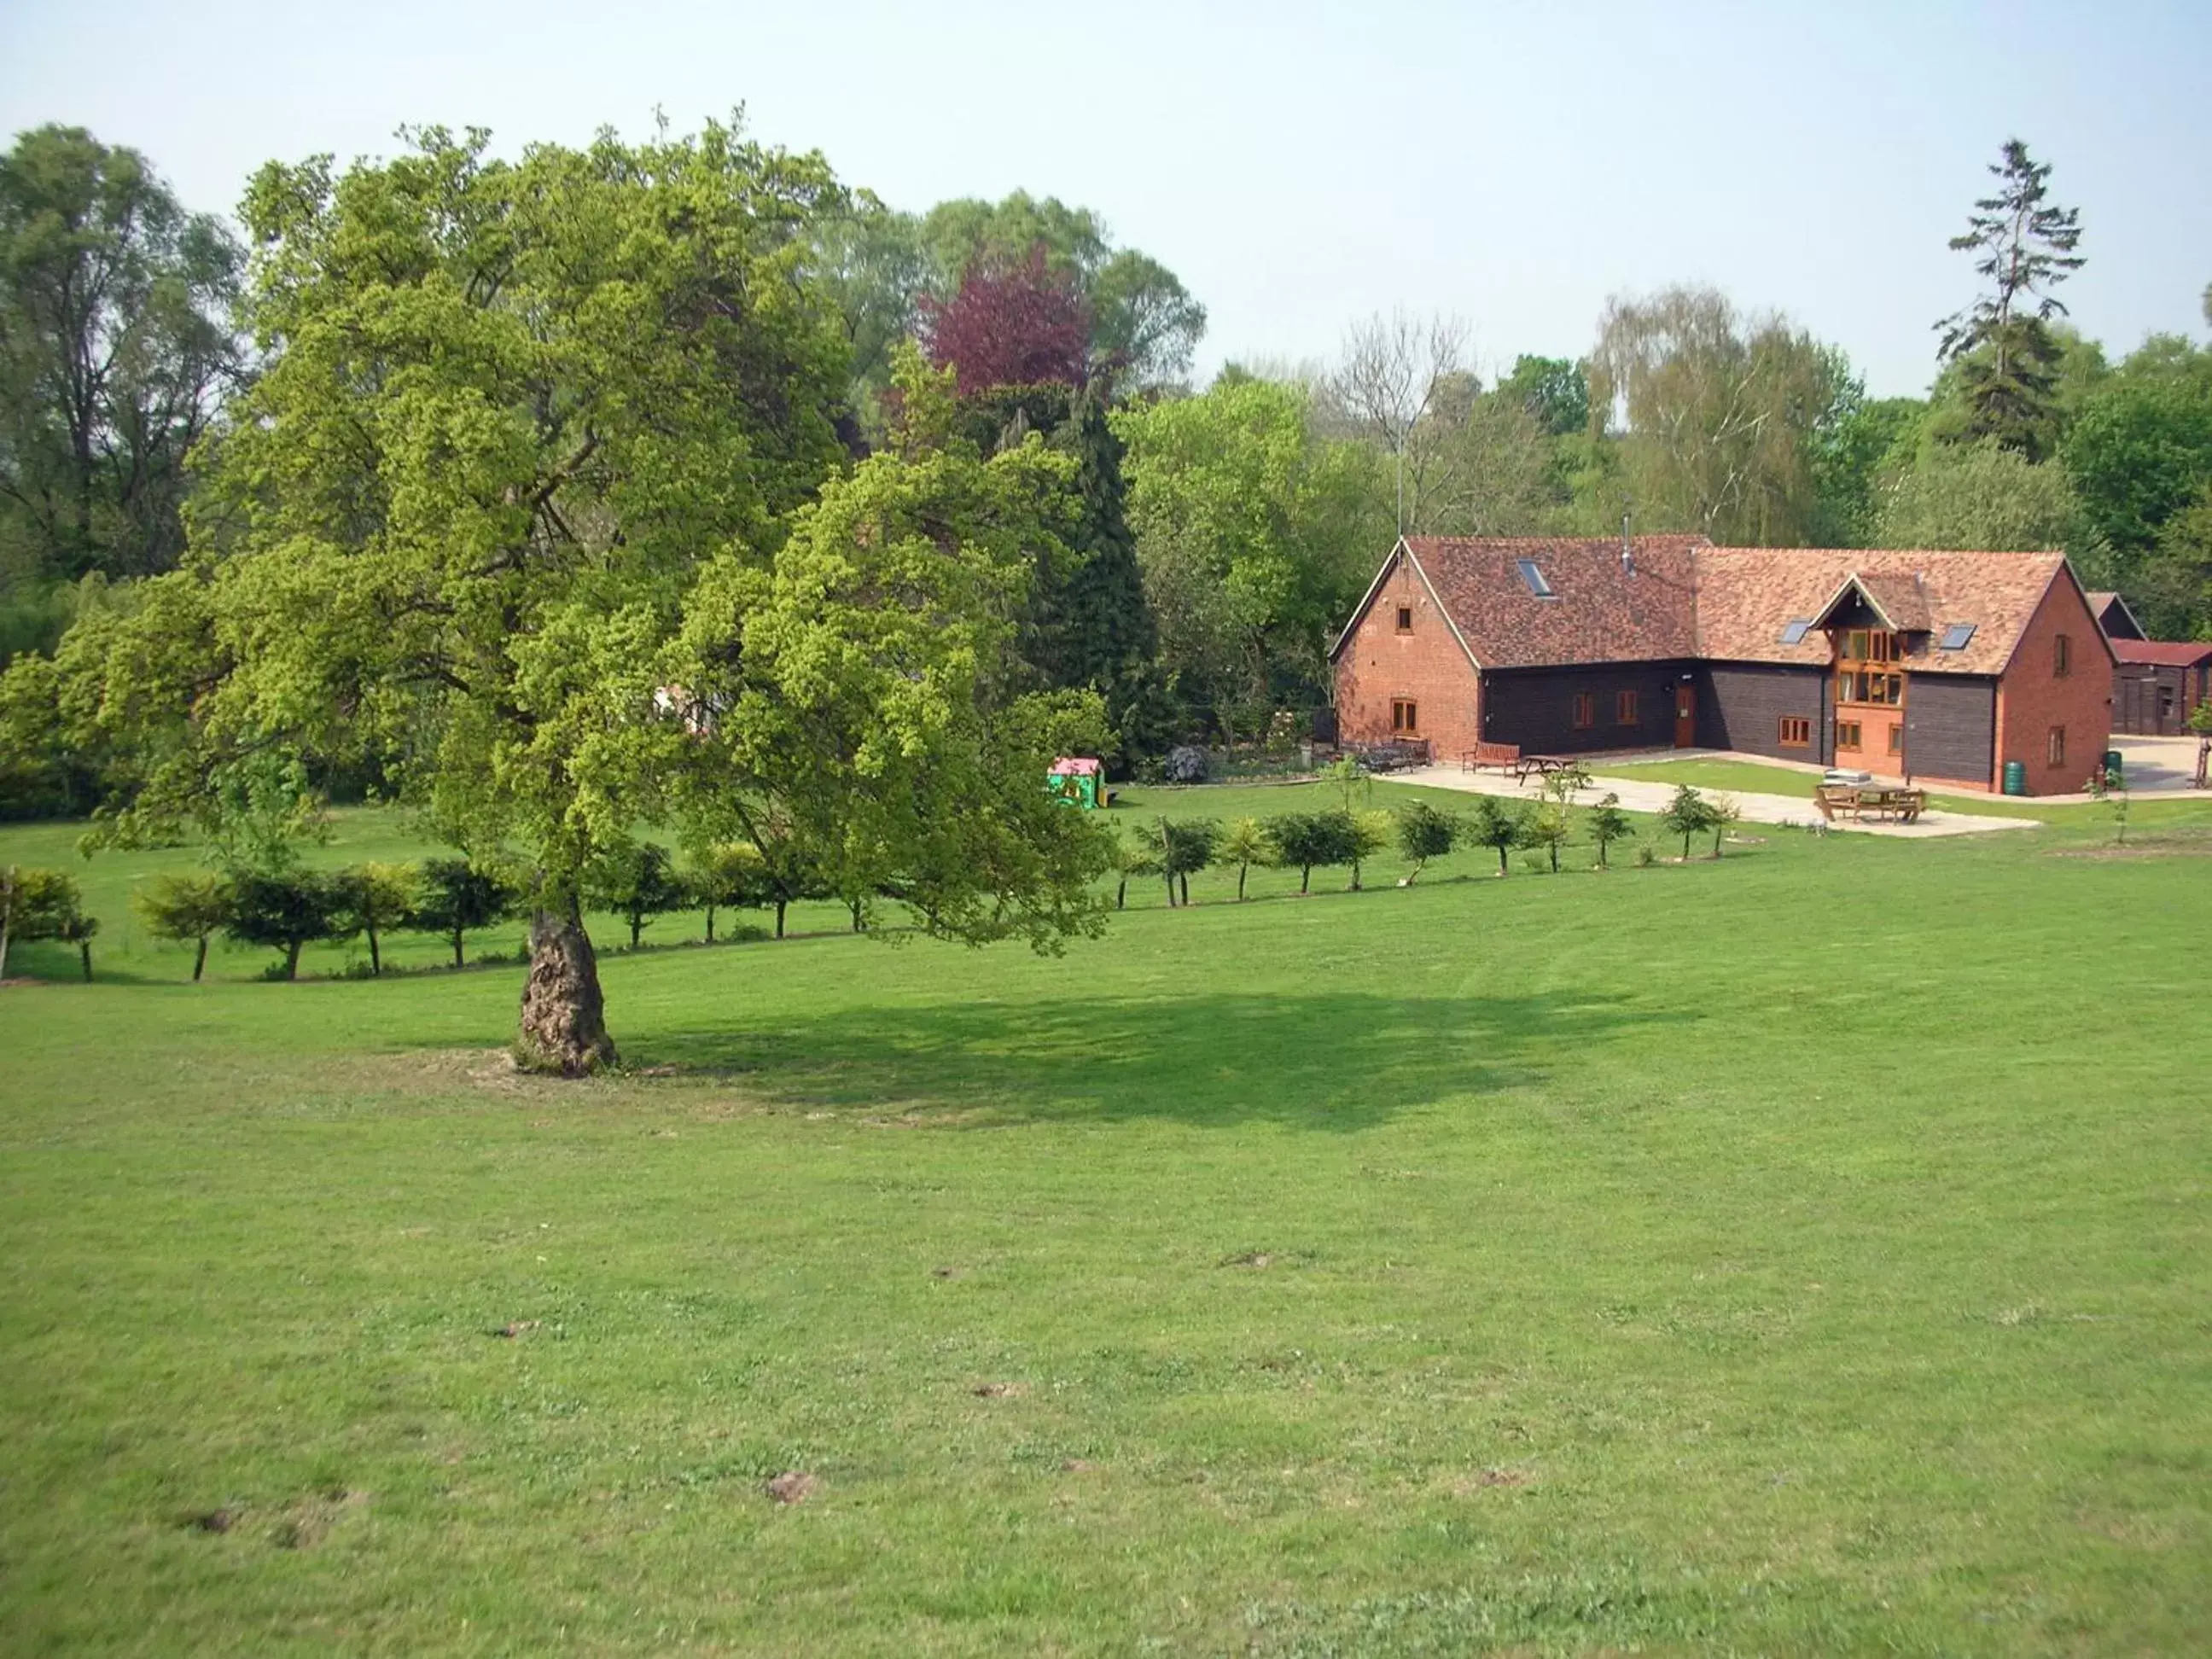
(1009, 324)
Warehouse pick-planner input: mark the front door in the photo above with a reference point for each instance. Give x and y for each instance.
(1685, 716)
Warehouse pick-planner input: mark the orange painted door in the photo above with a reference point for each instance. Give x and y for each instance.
(1685, 716)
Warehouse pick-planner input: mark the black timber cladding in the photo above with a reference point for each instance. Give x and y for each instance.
(1741, 706)
(1951, 727)
(1534, 707)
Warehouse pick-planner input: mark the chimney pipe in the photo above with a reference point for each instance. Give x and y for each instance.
(1627, 551)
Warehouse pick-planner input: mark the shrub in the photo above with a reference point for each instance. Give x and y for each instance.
(1307, 840)
(459, 897)
(377, 899)
(185, 908)
(731, 875)
(1687, 815)
(1500, 825)
(37, 904)
(638, 884)
(1369, 834)
(288, 910)
(1424, 833)
(1244, 844)
(1548, 830)
(1607, 824)
(1186, 844)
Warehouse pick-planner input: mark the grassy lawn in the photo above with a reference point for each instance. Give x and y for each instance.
(1802, 1253)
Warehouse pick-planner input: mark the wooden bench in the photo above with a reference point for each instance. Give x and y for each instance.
(1503, 755)
(1860, 801)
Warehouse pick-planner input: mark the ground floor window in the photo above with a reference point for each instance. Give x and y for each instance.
(1625, 711)
(1796, 731)
(1585, 710)
(1405, 717)
(1847, 734)
(1896, 740)
(2056, 750)
(2166, 702)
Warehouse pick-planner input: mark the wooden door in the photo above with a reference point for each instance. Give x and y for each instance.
(1685, 716)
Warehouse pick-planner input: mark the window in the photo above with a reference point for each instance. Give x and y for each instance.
(2056, 750)
(1533, 578)
(2062, 661)
(2166, 702)
(1585, 710)
(1405, 619)
(1896, 740)
(1796, 632)
(1405, 717)
(1624, 709)
(1796, 731)
(1957, 637)
(1847, 734)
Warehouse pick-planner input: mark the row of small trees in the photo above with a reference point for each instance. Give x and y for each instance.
(1305, 842)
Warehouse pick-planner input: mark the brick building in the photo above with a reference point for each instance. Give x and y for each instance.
(2157, 683)
(1936, 666)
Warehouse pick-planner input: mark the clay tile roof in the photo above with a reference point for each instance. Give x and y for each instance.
(1900, 598)
(1748, 595)
(1596, 611)
(2170, 654)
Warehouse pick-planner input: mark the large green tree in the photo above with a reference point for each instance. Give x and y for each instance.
(2139, 453)
(116, 350)
(2007, 359)
(1722, 414)
(1256, 535)
(509, 409)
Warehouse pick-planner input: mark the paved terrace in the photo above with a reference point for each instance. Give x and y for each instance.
(1649, 795)
(2155, 768)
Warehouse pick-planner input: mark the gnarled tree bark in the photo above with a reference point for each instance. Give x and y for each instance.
(564, 1029)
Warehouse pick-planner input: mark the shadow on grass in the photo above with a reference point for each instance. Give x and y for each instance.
(1342, 1060)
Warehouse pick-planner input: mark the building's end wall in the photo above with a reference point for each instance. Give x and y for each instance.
(2032, 698)
(1378, 665)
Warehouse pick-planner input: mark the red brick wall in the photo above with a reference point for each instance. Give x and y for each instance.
(1379, 664)
(2031, 699)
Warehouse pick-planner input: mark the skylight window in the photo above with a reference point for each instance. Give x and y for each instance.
(1956, 636)
(1795, 633)
(1534, 578)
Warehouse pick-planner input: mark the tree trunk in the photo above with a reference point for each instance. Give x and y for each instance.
(780, 904)
(375, 961)
(710, 924)
(636, 927)
(563, 1030)
(859, 925)
(1121, 893)
(292, 959)
(1305, 878)
(1355, 875)
(200, 960)
(1501, 862)
(458, 963)
(1555, 857)
(84, 950)
(1185, 880)
(1241, 869)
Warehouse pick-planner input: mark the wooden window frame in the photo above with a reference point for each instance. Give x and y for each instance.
(1405, 619)
(1627, 708)
(1405, 717)
(2054, 747)
(1897, 737)
(1858, 736)
(2062, 659)
(1585, 710)
(1795, 731)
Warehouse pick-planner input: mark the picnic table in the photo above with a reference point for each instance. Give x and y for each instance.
(1859, 801)
(1541, 767)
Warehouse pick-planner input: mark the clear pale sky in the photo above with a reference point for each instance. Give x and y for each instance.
(1298, 166)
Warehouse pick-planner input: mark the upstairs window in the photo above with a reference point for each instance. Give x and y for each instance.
(1405, 717)
(2055, 747)
(1405, 619)
(1624, 709)
(1796, 632)
(2062, 661)
(1796, 731)
(1585, 710)
(1956, 637)
(1533, 578)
